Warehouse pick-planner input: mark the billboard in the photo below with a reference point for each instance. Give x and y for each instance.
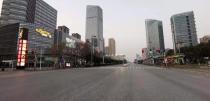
(43, 32)
(22, 47)
(71, 43)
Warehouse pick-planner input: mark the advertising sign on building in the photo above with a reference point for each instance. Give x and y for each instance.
(70, 43)
(22, 47)
(43, 32)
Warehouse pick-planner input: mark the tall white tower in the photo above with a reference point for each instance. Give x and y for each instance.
(154, 33)
(94, 27)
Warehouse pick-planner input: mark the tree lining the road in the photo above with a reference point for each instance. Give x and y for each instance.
(197, 54)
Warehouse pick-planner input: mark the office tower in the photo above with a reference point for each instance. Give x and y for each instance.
(29, 11)
(16, 11)
(76, 35)
(112, 47)
(184, 30)
(155, 37)
(94, 27)
(60, 35)
(36, 15)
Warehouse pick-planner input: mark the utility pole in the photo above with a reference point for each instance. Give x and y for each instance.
(91, 60)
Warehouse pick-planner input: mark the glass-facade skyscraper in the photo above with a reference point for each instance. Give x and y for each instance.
(154, 34)
(29, 11)
(94, 27)
(184, 30)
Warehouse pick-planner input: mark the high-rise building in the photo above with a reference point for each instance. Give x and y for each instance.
(9, 41)
(112, 47)
(60, 35)
(38, 21)
(36, 15)
(184, 30)
(29, 11)
(14, 11)
(76, 35)
(94, 27)
(155, 37)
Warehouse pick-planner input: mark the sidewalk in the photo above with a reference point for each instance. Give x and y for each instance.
(27, 69)
(202, 69)
(38, 69)
(45, 69)
(7, 70)
(191, 66)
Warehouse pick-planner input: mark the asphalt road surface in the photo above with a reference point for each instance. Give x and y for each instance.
(116, 83)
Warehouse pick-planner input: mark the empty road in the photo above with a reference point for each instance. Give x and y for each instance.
(114, 83)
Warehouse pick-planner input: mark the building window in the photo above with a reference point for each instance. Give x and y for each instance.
(189, 31)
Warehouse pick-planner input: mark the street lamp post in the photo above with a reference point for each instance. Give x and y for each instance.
(35, 57)
(91, 60)
(40, 59)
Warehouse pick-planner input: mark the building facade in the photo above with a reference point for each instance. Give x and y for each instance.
(29, 11)
(38, 40)
(60, 35)
(94, 27)
(205, 39)
(184, 30)
(15, 11)
(76, 35)
(8, 41)
(35, 16)
(112, 47)
(38, 37)
(155, 37)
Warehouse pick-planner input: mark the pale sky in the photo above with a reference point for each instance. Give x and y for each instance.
(124, 19)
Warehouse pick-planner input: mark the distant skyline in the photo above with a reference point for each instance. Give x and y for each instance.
(124, 20)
